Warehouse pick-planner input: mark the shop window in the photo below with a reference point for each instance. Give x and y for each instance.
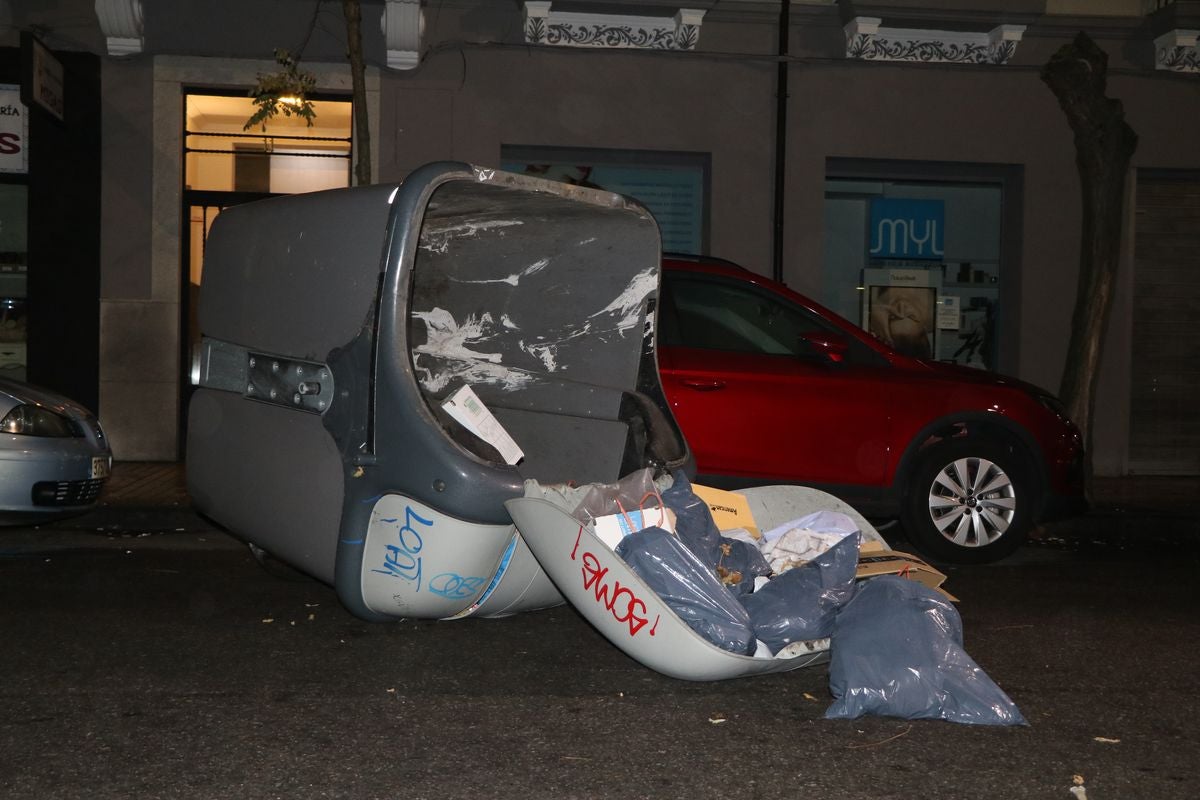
(917, 264)
(673, 186)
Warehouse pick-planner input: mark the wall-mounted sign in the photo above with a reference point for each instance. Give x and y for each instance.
(905, 228)
(14, 130)
(43, 77)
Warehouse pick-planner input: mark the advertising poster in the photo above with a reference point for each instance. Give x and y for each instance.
(900, 309)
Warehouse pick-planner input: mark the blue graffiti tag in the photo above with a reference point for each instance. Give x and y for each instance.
(454, 587)
(401, 560)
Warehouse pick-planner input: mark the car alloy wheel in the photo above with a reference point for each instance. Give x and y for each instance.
(970, 500)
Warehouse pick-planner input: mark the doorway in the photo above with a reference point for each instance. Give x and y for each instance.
(226, 165)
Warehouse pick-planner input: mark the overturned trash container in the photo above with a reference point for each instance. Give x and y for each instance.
(382, 369)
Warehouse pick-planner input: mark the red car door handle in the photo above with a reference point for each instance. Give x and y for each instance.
(704, 386)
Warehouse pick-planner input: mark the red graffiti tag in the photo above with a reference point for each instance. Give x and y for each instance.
(620, 601)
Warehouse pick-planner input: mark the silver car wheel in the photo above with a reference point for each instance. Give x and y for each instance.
(972, 502)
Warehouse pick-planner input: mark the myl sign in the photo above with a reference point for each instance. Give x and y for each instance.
(905, 228)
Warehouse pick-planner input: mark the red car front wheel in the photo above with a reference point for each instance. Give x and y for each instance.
(970, 500)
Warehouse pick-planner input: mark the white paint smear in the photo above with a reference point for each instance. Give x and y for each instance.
(448, 346)
(515, 278)
(447, 339)
(437, 240)
(628, 304)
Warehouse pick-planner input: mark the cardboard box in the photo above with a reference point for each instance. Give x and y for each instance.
(729, 509)
(890, 562)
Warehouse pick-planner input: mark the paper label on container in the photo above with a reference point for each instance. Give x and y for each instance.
(466, 407)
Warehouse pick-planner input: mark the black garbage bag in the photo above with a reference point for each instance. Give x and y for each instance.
(897, 652)
(739, 563)
(689, 588)
(693, 520)
(801, 604)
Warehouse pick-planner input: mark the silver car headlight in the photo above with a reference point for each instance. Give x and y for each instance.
(30, 420)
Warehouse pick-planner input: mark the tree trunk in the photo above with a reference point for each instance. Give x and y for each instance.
(1104, 144)
(358, 82)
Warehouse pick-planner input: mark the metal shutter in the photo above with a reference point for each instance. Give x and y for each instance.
(1164, 434)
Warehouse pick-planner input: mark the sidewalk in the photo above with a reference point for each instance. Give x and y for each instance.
(146, 484)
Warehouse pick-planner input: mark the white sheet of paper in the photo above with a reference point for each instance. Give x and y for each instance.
(466, 407)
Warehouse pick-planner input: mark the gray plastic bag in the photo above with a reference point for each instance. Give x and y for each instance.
(738, 564)
(897, 652)
(802, 603)
(693, 521)
(689, 588)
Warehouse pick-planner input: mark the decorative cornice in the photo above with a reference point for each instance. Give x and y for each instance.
(1176, 51)
(121, 23)
(543, 26)
(867, 40)
(403, 24)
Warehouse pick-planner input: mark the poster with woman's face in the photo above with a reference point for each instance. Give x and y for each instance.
(904, 317)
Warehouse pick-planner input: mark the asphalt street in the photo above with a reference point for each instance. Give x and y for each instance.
(147, 654)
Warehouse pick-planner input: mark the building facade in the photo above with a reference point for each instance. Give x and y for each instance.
(916, 141)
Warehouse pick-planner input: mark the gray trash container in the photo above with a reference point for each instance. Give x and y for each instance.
(337, 324)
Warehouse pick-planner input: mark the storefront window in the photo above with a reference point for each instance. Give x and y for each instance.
(13, 266)
(917, 264)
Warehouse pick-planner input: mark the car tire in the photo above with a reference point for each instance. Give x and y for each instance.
(970, 501)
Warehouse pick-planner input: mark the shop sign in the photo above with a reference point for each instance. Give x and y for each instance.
(907, 228)
(45, 77)
(14, 130)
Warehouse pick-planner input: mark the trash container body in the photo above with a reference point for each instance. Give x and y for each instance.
(336, 326)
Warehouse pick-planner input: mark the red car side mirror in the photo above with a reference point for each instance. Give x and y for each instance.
(828, 345)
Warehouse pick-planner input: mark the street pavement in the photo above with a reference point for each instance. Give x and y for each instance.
(148, 654)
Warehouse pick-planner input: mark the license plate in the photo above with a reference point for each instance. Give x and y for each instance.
(100, 466)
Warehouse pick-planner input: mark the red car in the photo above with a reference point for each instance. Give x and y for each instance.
(770, 387)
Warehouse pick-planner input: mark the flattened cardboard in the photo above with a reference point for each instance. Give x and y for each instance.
(729, 509)
(891, 562)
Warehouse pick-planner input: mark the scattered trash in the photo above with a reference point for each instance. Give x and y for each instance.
(904, 732)
(800, 541)
(1105, 740)
(717, 720)
(268, 619)
(823, 583)
(1077, 789)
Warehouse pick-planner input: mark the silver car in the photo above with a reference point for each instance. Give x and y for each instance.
(54, 456)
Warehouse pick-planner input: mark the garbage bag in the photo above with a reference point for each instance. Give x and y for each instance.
(693, 520)
(689, 588)
(738, 564)
(897, 652)
(802, 603)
